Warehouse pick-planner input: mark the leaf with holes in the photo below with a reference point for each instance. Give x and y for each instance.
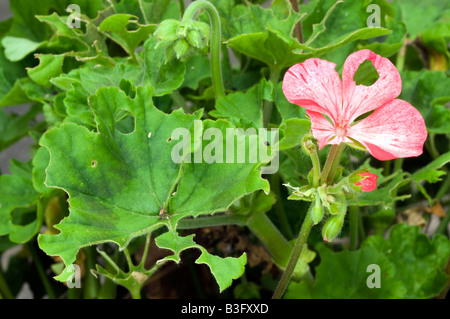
(118, 182)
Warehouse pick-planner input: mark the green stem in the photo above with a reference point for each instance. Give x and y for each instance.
(329, 169)
(258, 223)
(398, 163)
(211, 221)
(444, 188)
(136, 292)
(271, 238)
(431, 147)
(354, 223)
(144, 254)
(442, 228)
(181, 5)
(91, 285)
(361, 231)
(40, 269)
(400, 62)
(279, 207)
(298, 248)
(216, 41)
(129, 261)
(4, 288)
(179, 101)
(316, 166)
(268, 105)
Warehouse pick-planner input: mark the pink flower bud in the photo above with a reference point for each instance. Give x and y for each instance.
(368, 183)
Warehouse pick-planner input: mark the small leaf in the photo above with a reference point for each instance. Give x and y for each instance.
(224, 270)
(49, 67)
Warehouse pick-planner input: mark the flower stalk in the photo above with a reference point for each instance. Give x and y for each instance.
(298, 248)
(215, 44)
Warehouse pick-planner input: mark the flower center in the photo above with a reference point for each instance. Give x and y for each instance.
(341, 128)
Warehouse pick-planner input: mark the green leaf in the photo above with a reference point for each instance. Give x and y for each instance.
(277, 50)
(118, 182)
(293, 131)
(428, 91)
(87, 46)
(13, 127)
(420, 262)
(49, 66)
(126, 31)
(197, 69)
(18, 48)
(224, 270)
(431, 172)
(252, 18)
(18, 204)
(329, 25)
(231, 107)
(163, 77)
(349, 277)
(419, 16)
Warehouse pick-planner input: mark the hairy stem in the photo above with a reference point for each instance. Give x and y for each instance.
(268, 105)
(298, 248)
(40, 269)
(216, 41)
(279, 208)
(272, 239)
(334, 157)
(4, 288)
(354, 223)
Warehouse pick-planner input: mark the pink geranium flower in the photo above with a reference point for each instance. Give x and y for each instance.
(395, 129)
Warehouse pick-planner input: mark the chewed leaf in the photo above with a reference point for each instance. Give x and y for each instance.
(119, 25)
(118, 182)
(224, 270)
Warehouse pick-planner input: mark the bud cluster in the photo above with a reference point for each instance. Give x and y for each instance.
(182, 39)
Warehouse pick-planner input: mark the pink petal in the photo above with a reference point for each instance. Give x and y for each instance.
(394, 130)
(315, 85)
(369, 183)
(321, 128)
(361, 99)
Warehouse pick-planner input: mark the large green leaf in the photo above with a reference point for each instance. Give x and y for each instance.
(119, 182)
(419, 261)
(251, 18)
(348, 278)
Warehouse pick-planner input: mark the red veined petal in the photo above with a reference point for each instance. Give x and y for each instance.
(321, 128)
(316, 86)
(361, 99)
(395, 130)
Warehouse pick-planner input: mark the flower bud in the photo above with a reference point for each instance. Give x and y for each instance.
(333, 227)
(317, 211)
(309, 144)
(369, 183)
(181, 48)
(167, 31)
(363, 181)
(337, 203)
